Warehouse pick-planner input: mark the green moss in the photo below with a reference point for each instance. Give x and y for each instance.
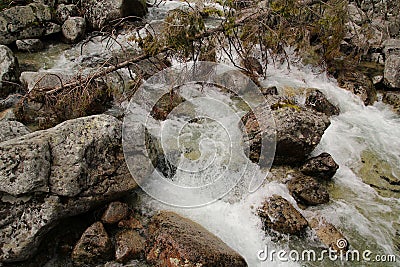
(285, 104)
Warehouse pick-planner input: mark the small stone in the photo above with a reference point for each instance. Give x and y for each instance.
(128, 245)
(307, 191)
(74, 29)
(93, 246)
(278, 214)
(329, 235)
(322, 166)
(115, 212)
(29, 45)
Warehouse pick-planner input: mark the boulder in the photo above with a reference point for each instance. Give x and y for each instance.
(177, 241)
(298, 130)
(9, 71)
(115, 212)
(128, 245)
(278, 214)
(63, 12)
(94, 246)
(317, 101)
(307, 191)
(23, 22)
(328, 234)
(322, 167)
(74, 29)
(12, 129)
(359, 84)
(49, 175)
(391, 47)
(29, 45)
(393, 99)
(391, 72)
(98, 12)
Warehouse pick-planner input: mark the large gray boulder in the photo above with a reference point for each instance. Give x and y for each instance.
(53, 174)
(9, 71)
(98, 12)
(177, 241)
(12, 129)
(24, 22)
(391, 72)
(298, 130)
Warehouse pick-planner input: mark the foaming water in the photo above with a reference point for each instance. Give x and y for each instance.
(363, 216)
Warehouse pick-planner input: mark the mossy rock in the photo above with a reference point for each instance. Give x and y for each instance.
(379, 174)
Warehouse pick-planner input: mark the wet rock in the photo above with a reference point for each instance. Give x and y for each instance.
(128, 245)
(29, 45)
(329, 235)
(359, 84)
(393, 99)
(57, 173)
(269, 91)
(74, 29)
(391, 72)
(23, 22)
(279, 215)
(298, 130)
(322, 167)
(63, 12)
(307, 191)
(9, 71)
(99, 12)
(12, 129)
(115, 212)
(177, 241)
(318, 102)
(93, 247)
(130, 223)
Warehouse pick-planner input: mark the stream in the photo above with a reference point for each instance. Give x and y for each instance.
(366, 215)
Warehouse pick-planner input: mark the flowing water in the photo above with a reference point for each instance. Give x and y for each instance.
(368, 219)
